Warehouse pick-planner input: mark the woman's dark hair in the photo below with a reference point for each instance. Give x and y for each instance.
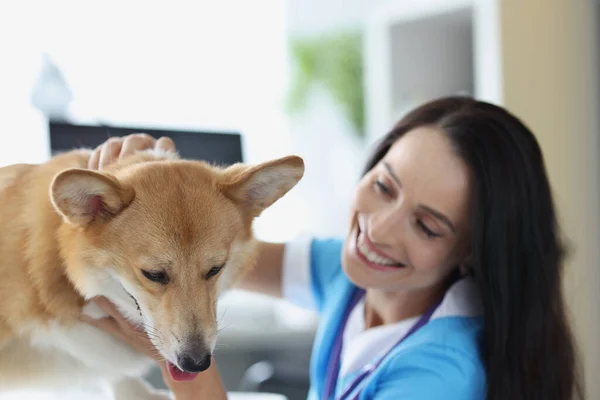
(516, 250)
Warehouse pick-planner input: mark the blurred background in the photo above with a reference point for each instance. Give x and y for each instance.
(236, 80)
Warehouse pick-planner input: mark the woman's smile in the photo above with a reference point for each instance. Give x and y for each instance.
(371, 256)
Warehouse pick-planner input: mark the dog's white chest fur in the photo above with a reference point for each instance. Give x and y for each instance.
(68, 357)
(93, 349)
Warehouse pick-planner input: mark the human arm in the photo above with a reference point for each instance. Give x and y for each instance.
(266, 276)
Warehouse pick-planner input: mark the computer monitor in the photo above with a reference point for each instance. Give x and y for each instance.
(221, 148)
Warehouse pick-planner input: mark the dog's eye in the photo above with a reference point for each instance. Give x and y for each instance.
(214, 271)
(157, 276)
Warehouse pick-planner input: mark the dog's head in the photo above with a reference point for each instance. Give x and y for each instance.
(163, 239)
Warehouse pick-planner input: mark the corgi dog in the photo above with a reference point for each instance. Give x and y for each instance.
(159, 236)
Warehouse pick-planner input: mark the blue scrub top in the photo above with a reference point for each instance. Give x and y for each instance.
(440, 361)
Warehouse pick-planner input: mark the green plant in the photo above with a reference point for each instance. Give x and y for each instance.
(336, 62)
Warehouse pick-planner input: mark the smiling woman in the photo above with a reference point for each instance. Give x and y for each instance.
(458, 191)
(451, 270)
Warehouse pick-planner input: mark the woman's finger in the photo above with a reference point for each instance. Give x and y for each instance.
(136, 142)
(94, 158)
(110, 152)
(108, 307)
(126, 327)
(119, 327)
(166, 144)
(119, 147)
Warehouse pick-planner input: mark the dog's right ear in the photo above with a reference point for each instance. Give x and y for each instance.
(82, 196)
(259, 186)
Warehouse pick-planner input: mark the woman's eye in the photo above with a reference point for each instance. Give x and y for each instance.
(383, 188)
(156, 276)
(214, 271)
(430, 234)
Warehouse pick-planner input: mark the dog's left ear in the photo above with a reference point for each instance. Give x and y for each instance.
(82, 196)
(258, 187)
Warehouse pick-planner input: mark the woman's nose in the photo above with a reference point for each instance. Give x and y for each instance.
(384, 228)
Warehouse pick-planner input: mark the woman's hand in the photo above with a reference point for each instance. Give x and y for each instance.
(119, 327)
(119, 147)
(206, 386)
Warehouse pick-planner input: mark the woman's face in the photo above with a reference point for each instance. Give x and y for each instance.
(410, 225)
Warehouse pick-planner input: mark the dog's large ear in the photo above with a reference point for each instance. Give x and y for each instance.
(82, 196)
(258, 187)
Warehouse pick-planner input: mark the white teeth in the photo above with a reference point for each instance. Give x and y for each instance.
(364, 249)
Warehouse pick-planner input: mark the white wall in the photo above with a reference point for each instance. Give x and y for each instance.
(23, 136)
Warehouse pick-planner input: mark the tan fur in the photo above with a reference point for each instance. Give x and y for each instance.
(34, 287)
(183, 217)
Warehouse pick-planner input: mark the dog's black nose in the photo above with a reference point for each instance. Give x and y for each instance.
(194, 361)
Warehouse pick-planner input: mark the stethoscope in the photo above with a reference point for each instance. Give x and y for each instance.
(333, 367)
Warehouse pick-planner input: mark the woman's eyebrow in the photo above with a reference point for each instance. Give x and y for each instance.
(392, 173)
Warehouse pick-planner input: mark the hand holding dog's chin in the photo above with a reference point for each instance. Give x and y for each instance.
(206, 386)
(119, 327)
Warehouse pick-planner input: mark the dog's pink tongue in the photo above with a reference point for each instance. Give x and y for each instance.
(179, 375)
